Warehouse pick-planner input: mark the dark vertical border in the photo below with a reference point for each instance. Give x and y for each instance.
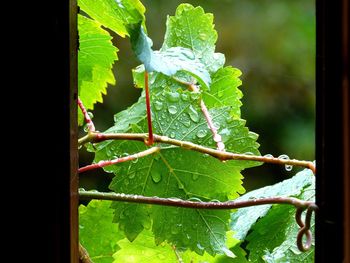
(332, 131)
(63, 153)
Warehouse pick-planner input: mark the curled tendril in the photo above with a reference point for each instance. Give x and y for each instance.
(304, 227)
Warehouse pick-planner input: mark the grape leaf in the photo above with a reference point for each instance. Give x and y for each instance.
(172, 173)
(114, 14)
(143, 249)
(245, 218)
(97, 233)
(224, 90)
(273, 237)
(168, 61)
(95, 59)
(192, 28)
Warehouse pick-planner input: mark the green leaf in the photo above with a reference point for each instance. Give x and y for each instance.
(95, 59)
(97, 233)
(143, 249)
(192, 28)
(168, 61)
(114, 14)
(273, 237)
(224, 90)
(180, 173)
(245, 218)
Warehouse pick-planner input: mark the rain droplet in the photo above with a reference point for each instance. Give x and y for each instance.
(135, 160)
(173, 96)
(172, 135)
(201, 133)
(268, 155)
(158, 105)
(288, 167)
(220, 93)
(172, 109)
(184, 96)
(156, 177)
(195, 177)
(126, 182)
(200, 247)
(90, 114)
(187, 123)
(132, 175)
(193, 114)
(195, 95)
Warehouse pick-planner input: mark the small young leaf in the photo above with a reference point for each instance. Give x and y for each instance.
(193, 29)
(168, 61)
(94, 64)
(97, 233)
(114, 14)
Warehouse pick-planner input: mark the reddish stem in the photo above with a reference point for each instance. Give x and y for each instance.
(149, 114)
(101, 164)
(216, 136)
(90, 124)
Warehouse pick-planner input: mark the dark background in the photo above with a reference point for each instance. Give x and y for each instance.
(273, 44)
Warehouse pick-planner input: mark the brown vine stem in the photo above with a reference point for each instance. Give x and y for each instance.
(90, 124)
(193, 204)
(131, 157)
(84, 255)
(216, 136)
(221, 155)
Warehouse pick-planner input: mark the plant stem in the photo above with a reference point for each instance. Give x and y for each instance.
(221, 155)
(90, 124)
(149, 141)
(84, 255)
(216, 136)
(101, 164)
(192, 204)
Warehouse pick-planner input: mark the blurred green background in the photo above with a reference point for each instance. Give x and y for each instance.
(273, 43)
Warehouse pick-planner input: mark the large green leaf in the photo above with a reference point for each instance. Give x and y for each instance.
(168, 61)
(180, 173)
(95, 59)
(192, 28)
(245, 218)
(273, 238)
(144, 249)
(97, 233)
(114, 14)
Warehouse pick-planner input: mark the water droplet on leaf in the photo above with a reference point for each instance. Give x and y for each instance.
(173, 96)
(184, 96)
(132, 175)
(193, 114)
(172, 109)
(172, 135)
(158, 105)
(195, 177)
(201, 133)
(156, 177)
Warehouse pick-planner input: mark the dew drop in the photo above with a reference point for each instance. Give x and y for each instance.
(201, 133)
(268, 155)
(200, 247)
(173, 96)
(172, 109)
(187, 123)
(172, 135)
(288, 167)
(158, 105)
(202, 36)
(193, 114)
(132, 175)
(195, 177)
(195, 95)
(220, 93)
(184, 96)
(156, 177)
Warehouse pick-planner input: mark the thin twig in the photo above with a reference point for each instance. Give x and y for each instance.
(192, 204)
(216, 136)
(89, 123)
(131, 157)
(149, 141)
(84, 255)
(221, 155)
